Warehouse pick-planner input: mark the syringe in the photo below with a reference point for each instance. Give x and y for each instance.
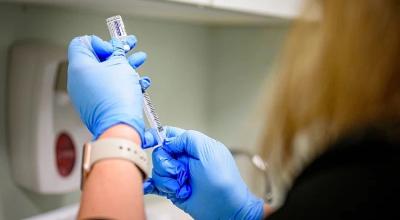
(117, 30)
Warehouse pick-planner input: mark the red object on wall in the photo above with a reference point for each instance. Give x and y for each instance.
(65, 154)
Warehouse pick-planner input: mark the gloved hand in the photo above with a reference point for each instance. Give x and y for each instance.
(103, 85)
(199, 175)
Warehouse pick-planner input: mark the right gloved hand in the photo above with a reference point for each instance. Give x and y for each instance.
(199, 175)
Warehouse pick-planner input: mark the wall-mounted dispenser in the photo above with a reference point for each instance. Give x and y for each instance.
(45, 133)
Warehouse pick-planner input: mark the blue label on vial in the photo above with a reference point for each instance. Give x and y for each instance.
(118, 28)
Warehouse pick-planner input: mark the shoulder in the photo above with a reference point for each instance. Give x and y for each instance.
(357, 178)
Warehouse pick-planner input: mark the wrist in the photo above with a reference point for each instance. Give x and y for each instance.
(267, 210)
(253, 208)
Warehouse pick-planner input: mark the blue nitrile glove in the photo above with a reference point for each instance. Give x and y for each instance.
(199, 175)
(103, 86)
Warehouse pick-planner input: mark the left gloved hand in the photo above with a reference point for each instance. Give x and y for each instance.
(199, 175)
(104, 86)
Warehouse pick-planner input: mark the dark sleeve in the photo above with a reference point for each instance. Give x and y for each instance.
(354, 188)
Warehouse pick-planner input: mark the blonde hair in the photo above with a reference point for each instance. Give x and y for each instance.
(340, 71)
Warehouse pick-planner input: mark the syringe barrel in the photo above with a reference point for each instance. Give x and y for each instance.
(117, 30)
(153, 119)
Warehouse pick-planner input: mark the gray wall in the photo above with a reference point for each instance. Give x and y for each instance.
(204, 78)
(242, 58)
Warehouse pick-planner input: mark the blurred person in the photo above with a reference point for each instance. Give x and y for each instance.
(331, 137)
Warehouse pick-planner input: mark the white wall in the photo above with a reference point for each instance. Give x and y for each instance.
(204, 78)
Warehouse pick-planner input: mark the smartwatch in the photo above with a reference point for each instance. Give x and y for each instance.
(113, 148)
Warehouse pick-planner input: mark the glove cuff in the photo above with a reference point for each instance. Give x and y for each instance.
(136, 124)
(252, 209)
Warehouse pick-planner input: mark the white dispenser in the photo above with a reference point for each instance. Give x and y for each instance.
(45, 133)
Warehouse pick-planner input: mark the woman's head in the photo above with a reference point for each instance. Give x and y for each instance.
(340, 70)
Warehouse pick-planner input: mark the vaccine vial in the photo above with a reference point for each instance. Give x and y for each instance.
(116, 28)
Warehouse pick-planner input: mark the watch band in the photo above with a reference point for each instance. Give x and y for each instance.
(117, 148)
